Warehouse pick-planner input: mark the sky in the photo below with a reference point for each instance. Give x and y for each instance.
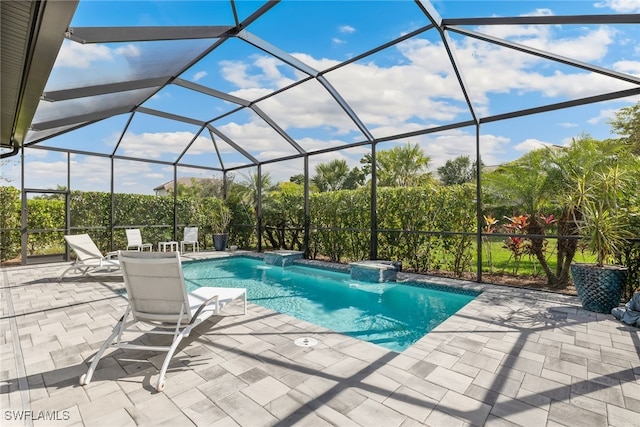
(406, 87)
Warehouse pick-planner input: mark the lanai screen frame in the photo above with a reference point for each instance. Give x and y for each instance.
(442, 26)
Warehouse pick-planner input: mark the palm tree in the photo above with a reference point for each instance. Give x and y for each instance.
(626, 123)
(250, 190)
(331, 176)
(403, 166)
(524, 184)
(527, 185)
(581, 171)
(458, 171)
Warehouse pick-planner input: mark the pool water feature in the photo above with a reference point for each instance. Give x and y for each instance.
(393, 315)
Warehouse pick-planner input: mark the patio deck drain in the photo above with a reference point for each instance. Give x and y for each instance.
(306, 342)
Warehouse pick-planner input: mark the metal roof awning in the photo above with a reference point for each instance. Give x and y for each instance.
(32, 33)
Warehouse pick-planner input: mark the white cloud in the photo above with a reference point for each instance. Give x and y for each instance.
(150, 145)
(337, 41)
(629, 67)
(293, 109)
(591, 45)
(568, 125)
(530, 144)
(318, 64)
(10, 171)
(422, 91)
(347, 29)
(419, 90)
(270, 72)
(604, 116)
(45, 174)
(623, 6)
(90, 173)
(567, 141)
(525, 74)
(128, 50)
(257, 138)
(237, 73)
(447, 145)
(199, 75)
(259, 73)
(82, 55)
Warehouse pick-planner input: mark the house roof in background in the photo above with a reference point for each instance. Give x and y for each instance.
(185, 180)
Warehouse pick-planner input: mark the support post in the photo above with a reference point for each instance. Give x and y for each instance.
(373, 250)
(478, 205)
(307, 209)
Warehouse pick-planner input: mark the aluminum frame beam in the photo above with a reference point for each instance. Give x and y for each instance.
(435, 18)
(79, 119)
(277, 128)
(277, 52)
(105, 89)
(211, 92)
(90, 35)
(546, 55)
(628, 18)
(229, 141)
(170, 116)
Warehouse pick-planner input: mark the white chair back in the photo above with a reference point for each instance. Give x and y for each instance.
(190, 234)
(155, 286)
(134, 238)
(83, 246)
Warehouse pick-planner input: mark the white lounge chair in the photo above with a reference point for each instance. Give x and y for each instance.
(134, 240)
(88, 256)
(158, 298)
(190, 238)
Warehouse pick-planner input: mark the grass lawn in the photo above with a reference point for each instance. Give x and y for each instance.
(503, 261)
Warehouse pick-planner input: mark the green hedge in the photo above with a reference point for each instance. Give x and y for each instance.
(90, 212)
(9, 223)
(404, 215)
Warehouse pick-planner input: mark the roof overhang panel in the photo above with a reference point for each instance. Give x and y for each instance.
(30, 30)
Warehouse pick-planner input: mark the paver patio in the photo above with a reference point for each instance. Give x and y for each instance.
(510, 357)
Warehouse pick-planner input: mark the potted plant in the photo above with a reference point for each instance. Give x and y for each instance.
(630, 254)
(602, 225)
(220, 220)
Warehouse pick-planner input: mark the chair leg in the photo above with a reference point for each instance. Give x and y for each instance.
(86, 378)
(65, 272)
(167, 360)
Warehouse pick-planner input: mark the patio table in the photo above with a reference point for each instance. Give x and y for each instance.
(168, 246)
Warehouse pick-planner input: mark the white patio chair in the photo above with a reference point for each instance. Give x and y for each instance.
(134, 240)
(158, 298)
(88, 256)
(190, 238)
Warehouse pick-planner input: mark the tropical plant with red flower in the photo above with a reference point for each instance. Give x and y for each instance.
(490, 226)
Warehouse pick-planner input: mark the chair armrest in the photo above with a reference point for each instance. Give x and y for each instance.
(111, 255)
(202, 306)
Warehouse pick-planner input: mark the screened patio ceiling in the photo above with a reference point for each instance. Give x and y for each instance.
(228, 85)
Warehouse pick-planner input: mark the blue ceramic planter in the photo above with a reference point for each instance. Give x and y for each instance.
(599, 288)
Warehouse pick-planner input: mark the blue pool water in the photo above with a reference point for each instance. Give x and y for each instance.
(390, 314)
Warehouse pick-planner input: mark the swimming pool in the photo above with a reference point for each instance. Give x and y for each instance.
(391, 314)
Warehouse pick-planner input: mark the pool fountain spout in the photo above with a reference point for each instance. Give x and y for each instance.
(376, 271)
(282, 258)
